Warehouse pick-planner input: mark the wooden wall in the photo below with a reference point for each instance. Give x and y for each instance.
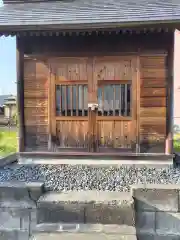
(153, 79)
(35, 104)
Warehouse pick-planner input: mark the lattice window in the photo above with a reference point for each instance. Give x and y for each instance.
(71, 100)
(114, 100)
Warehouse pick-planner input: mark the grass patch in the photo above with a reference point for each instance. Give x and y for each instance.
(176, 147)
(8, 142)
(177, 142)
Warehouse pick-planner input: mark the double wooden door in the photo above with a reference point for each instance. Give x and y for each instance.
(93, 103)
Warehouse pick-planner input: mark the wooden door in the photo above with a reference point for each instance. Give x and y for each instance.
(68, 115)
(115, 79)
(110, 82)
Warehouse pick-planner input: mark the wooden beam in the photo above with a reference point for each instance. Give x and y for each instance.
(20, 93)
(169, 100)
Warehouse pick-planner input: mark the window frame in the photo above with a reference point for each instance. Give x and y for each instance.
(99, 83)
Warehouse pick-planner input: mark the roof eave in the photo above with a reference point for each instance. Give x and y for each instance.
(88, 26)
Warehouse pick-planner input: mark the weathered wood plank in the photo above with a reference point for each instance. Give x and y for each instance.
(153, 129)
(37, 129)
(38, 120)
(153, 120)
(34, 102)
(72, 134)
(34, 83)
(153, 102)
(36, 111)
(154, 62)
(153, 73)
(153, 83)
(153, 112)
(36, 93)
(109, 68)
(116, 134)
(69, 69)
(153, 92)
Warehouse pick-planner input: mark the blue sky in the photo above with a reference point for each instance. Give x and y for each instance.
(7, 64)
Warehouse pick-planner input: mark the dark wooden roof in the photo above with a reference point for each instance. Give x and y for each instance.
(88, 13)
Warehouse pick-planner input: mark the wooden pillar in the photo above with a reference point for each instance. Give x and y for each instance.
(92, 114)
(20, 93)
(169, 99)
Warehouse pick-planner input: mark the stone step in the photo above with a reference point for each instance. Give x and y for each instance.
(18, 209)
(86, 207)
(14, 235)
(20, 191)
(81, 236)
(122, 229)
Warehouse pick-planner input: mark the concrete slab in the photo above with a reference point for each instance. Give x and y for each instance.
(86, 207)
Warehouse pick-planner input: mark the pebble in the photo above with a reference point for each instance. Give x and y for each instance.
(81, 177)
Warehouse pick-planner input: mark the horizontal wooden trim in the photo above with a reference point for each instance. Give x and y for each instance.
(108, 57)
(72, 82)
(118, 81)
(46, 55)
(151, 54)
(99, 118)
(113, 118)
(69, 58)
(69, 118)
(100, 82)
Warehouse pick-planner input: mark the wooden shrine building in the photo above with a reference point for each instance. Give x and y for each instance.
(94, 75)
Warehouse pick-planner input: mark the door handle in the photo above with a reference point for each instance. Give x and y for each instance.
(93, 106)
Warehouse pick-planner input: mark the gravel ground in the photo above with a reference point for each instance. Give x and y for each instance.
(80, 177)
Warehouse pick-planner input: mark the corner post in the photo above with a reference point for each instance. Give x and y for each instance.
(170, 99)
(20, 93)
